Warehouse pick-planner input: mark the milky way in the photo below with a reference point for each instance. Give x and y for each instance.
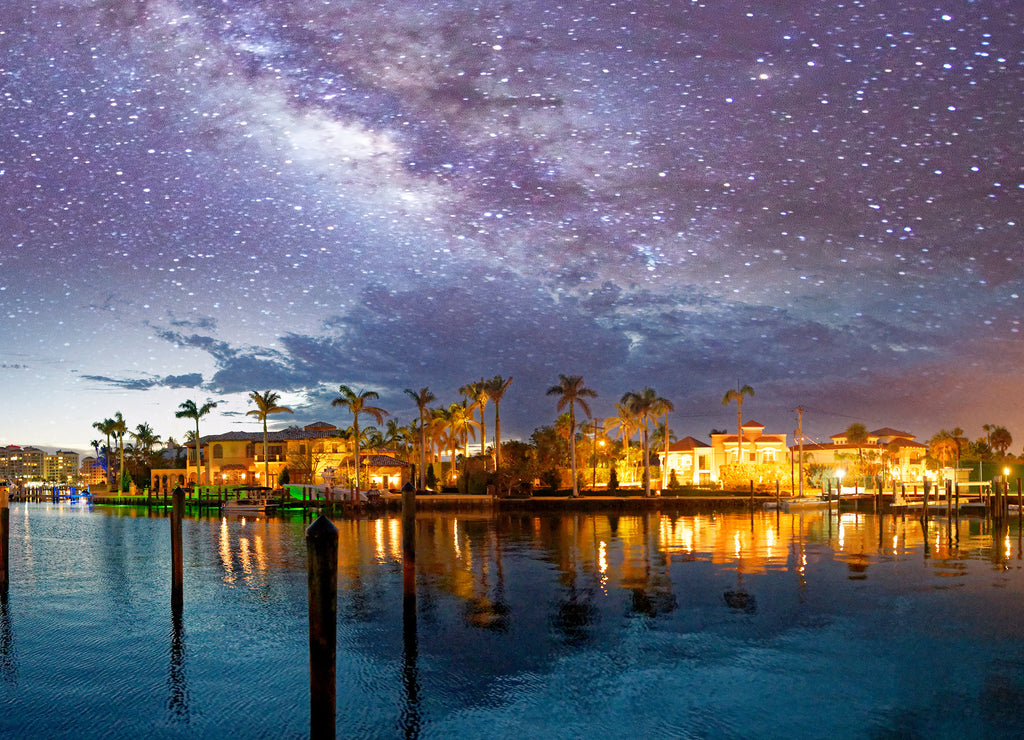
(204, 197)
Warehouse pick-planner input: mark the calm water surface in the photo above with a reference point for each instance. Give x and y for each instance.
(588, 626)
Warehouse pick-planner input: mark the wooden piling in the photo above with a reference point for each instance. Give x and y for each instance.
(322, 571)
(177, 582)
(1020, 508)
(949, 499)
(409, 522)
(5, 540)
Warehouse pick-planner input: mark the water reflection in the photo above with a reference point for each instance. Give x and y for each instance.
(177, 686)
(499, 615)
(8, 658)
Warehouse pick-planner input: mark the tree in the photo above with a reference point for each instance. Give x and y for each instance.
(462, 424)
(120, 428)
(571, 391)
(396, 437)
(477, 392)
(665, 436)
(145, 440)
(189, 410)
(857, 434)
(496, 388)
(737, 396)
(625, 422)
(106, 427)
(999, 438)
(943, 447)
(356, 404)
(176, 447)
(646, 406)
(266, 404)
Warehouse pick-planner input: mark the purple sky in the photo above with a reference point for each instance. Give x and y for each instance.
(202, 198)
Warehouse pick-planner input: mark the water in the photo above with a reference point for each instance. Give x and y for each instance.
(727, 626)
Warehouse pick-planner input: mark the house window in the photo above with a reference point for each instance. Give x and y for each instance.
(302, 449)
(218, 452)
(753, 457)
(250, 450)
(769, 455)
(702, 462)
(687, 462)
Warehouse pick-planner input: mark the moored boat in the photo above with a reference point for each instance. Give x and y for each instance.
(250, 500)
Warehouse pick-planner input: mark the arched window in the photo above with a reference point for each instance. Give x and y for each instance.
(218, 452)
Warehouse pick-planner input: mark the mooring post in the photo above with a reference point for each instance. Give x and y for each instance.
(776, 495)
(751, 494)
(322, 570)
(1020, 507)
(409, 521)
(177, 590)
(949, 499)
(5, 539)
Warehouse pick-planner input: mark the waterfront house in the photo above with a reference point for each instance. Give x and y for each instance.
(689, 460)
(237, 459)
(887, 452)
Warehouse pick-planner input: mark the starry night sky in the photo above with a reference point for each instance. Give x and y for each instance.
(203, 197)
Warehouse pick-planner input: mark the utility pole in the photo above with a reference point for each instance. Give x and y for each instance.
(800, 437)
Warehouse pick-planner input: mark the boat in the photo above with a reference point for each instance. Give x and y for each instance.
(249, 500)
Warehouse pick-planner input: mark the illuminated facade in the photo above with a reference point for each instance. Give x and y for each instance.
(887, 452)
(691, 462)
(91, 472)
(61, 467)
(236, 458)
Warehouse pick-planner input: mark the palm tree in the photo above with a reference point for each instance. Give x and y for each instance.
(189, 410)
(942, 447)
(665, 436)
(857, 434)
(463, 423)
(737, 396)
(571, 391)
(999, 438)
(175, 446)
(496, 388)
(120, 428)
(437, 424)
(422, 399)
(395, 436)
(266, 404)
(477, 392)
(646, 406)
(356, 403)
(625, 422)
(106, 427)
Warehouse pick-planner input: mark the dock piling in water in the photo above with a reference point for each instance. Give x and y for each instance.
(322, 567)
(5, 539)
(177, 581)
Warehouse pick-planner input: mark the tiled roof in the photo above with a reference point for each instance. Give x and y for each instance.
(753, 423)
(382, 461)
(687, 444)
(890, 432)
(279, 436)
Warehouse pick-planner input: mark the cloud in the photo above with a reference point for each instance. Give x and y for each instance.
(189, 380)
